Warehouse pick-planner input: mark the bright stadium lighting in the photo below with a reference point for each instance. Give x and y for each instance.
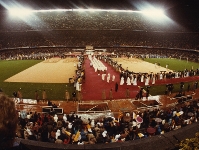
(81, 10)
(20, 12)
(102, 10)
(92, 10)
(16, 9)
(154, 13)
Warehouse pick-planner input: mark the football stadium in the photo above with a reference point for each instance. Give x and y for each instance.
(99, 75)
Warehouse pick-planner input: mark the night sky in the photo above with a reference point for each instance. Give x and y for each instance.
(106, 4)
(183, 11)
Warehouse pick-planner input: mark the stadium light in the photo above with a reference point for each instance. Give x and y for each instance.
(16, 9)
(20, 12)
(81, 10)
(91, 10)
(154, 13)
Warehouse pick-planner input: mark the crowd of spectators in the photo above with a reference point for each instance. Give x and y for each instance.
(100, 29)
(63, 52)
(92, 28)
(84, 21)
(98, 38)
(35, 53)
(71, 129)
(143, 53)
(127, 126)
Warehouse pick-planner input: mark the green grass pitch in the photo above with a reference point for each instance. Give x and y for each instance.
(173, 64)
(57, 91)
(10, 68)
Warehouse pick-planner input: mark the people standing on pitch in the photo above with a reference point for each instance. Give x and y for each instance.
(19, 95)
(79, 97)
(77, 86)
(142, 78)
(153, 79)
(116, 87)
(67, 95)
(147, 92)
(146, 80)
(140, 94)
(113, 78)
(36, 96)
(108, 77)
(167, 66)
(161, 76)
(122, 80)
(134, 80)
(103, 76)
(44, 95)
(128, 81)
(91, 64)
(74, 96)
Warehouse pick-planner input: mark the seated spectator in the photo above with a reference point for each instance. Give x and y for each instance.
(59, 141)
(8, 122)
(80, 142)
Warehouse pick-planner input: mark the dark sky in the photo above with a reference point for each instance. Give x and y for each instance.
(120, 4)
(179, 10)
(106, 4)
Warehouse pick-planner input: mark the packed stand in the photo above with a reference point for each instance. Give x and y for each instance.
(98, 38)
(71, 129)
(73, 28)
(69, 20)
